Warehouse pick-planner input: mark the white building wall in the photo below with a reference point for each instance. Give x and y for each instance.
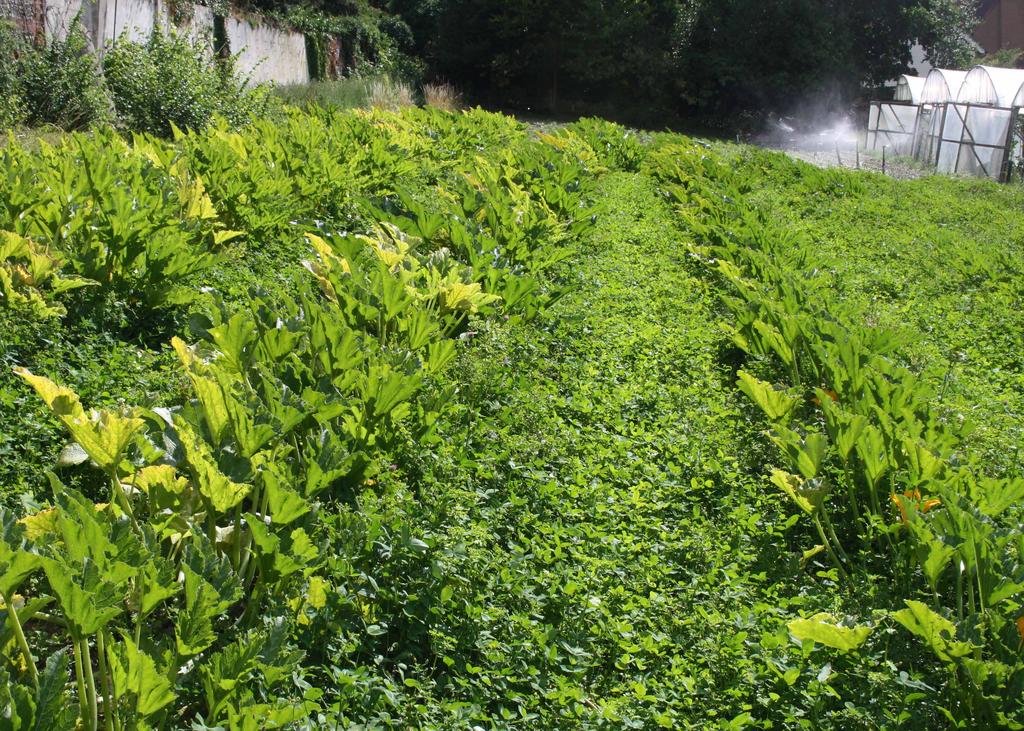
(132, 20)
(200, 26)
(59, 14)
(267, 53)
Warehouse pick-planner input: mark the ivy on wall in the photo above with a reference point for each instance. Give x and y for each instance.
(345, 37)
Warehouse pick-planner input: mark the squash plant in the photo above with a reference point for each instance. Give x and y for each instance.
(30, 277)
(851, 415)
(158, 555)
(168, 597)
(128, 217)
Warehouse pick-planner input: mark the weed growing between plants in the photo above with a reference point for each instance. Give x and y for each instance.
(391, 420)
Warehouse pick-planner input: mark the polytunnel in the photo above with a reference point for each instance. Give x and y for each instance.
(941, 86)
(909, 88)
(894, 125)
(980, 130)
(995, 87)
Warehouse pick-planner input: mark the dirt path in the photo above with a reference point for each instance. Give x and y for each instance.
(896, 168)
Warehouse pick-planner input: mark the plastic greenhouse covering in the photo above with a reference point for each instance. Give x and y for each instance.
(975, 139)
(964, 122)
(942, 85)
(993, 86)
(909, 89)
(980, 130)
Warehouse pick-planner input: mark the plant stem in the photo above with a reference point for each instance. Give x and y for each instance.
(851, 489)
(211, 525)
(970, 595)
(873, 494)
(833, 536)
(115, 701)
(19, 635)
(250, 573)
(83, 700)
(90, 685)
(105, 681)
(141, 588)
(52, 619)
(176, 548)
(250, 609)
(977, 574)
(236, 548)
(246, 550)
(120, 496)
(828, 547)
(959, 591)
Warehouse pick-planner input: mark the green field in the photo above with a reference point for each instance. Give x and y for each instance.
(422, 420)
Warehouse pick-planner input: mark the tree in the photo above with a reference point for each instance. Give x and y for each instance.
(746, 54)
(944, 28)
(713, 57)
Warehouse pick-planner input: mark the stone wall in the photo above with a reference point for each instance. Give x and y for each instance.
(26, 15)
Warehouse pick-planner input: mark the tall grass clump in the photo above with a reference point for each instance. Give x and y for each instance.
(350, 93)
(390, 94)
(370, 92)
(442, 96)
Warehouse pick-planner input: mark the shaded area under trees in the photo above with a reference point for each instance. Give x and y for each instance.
(653, 58)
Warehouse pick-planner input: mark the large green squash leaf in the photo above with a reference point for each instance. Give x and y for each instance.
(214, 485)
(775, 403)
(193, 628)
(136, 678)
(86, 611)
(934, 630)
(103, 436)
(821, 628)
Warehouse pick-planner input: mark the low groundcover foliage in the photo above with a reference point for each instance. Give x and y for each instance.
(424, 420)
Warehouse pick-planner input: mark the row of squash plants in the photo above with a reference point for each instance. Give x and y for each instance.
(866, 452)
(169, 600)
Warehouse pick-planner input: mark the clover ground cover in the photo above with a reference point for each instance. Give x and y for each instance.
(420, 420)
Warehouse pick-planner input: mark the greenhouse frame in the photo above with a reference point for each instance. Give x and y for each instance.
(941, 86)
(909, 89)
(894, 125)
(980, 132)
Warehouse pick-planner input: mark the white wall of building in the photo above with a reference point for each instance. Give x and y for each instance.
(265, 52)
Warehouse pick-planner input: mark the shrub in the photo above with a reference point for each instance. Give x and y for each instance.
(60, 84)
(616, 146)
(443, 96)
(171, 80)
(12, 109)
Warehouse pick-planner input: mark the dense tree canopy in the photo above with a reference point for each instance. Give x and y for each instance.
(712, 56)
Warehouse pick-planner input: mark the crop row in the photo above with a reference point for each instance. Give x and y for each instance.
(867, 453)
(163, 592)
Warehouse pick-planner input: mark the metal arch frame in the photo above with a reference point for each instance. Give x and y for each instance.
(942, 134)
(1007, 172)
(966, 138)
(887, 132)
